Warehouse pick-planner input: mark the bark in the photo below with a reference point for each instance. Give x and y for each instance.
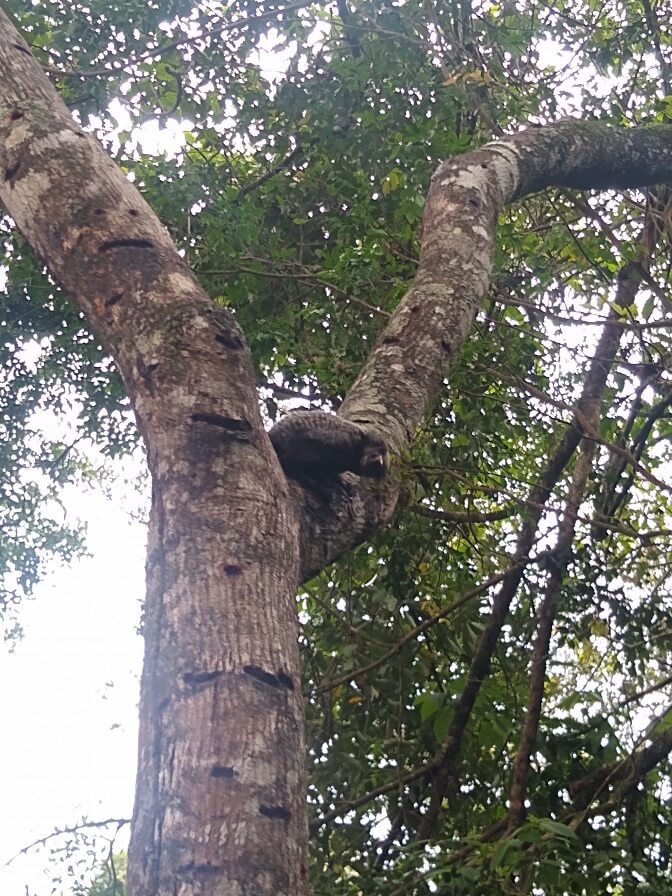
(220, 801)
(220, 794)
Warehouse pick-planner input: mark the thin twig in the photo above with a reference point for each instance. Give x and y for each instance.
(85, 825)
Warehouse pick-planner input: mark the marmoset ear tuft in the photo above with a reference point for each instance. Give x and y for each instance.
(373, 461)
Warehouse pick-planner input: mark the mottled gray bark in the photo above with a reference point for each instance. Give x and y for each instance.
(220, 794)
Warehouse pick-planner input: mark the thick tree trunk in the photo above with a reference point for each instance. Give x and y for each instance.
(220, 794)
(220, 802)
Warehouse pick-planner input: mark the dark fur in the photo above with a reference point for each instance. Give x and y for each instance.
(314, 445)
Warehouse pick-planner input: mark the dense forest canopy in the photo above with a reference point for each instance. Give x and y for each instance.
(529, 550)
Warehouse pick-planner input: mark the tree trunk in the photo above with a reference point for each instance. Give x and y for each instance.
(220, 801)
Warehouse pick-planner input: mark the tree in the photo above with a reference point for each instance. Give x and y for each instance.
(474, 781)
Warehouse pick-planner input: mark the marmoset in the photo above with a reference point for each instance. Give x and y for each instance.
(314, 445)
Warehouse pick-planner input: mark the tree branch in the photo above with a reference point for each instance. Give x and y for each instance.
(593, 388)
(427, 330)
(630, 770)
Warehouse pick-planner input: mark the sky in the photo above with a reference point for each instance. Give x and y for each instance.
(69, 692)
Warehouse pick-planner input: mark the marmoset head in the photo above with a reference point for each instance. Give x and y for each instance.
(373, 459)
(315, 445)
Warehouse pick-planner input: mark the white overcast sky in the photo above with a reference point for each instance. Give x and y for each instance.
(68, 694)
